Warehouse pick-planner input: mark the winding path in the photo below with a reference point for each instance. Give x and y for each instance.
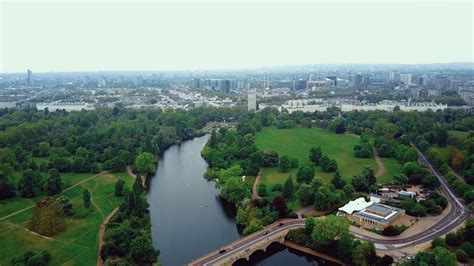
(378, 160)
(102, 233)
(256, 182)
(62, 192)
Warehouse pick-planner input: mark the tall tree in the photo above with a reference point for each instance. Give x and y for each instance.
(288, 192)
(27, 184)
(305, 174)
(315, 154)
(284, 164)
(337, 181)
(53, 184)
(86, 197)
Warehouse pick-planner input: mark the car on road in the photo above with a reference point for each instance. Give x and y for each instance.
(222, 251)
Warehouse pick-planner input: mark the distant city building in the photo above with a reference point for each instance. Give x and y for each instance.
(196, 83)
(29, 80)
(102, 82)
(223, 85)
(434, 92)
(252, 101)
(333, 78)
(406, 78)
(394, 75)
(299, 84)
(316, 85)
(138, 80)
(357, 81)
(441, 82)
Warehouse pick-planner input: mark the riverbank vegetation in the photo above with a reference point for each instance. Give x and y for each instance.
(59, 157)
(331, 236)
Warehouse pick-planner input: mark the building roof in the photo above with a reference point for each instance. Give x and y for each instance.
(358, 204)
(380, 213)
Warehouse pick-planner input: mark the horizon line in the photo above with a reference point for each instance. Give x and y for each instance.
(238, 68)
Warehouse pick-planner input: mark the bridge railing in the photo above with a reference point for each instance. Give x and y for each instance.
(239, 240)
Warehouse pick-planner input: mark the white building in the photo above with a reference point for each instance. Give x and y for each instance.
(252, 101)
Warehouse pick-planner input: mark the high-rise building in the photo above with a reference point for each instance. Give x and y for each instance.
(357, 81)
(196, 83)
(441, 82)
(394, 75)
(29, 80)
(223, 85)
(252, 101)
(406, 78)
(299, 84)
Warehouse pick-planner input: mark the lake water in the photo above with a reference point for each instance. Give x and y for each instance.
(189, 219)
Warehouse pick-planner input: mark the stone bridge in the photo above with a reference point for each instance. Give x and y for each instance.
(245, 247)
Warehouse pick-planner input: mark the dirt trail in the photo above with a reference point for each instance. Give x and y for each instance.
(255, 196)
(378, 160)
(102, 233)
(134, 176)
(62, 192)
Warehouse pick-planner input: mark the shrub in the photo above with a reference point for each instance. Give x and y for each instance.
(461, 255)
(393, 230)
(262, 190)
(277, 187)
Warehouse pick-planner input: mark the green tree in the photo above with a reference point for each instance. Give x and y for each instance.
(53, 184)
(364, 254)
(234, 190)
(348, 189)
(337, 181)
(305, 194)
(284, 164)
(344, 247)
(27, 184)
(65, 204)
(142, 251)
(288, 192)
(86, 197)
(309, 225)
(305, 174)
(119, 188)
(262, 190)
(47, 219)
(7, 190)
(145, 163)
(325, 198)
(438, 242)
(326, 231)
(315, 154)
(328, 164)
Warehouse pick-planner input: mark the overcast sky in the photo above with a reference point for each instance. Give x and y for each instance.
(79, 36)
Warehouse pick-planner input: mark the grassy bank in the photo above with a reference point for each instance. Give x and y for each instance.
(78, 244)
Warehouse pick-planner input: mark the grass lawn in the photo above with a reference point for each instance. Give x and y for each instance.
(297, 142)
(78, 244)
(458, 134)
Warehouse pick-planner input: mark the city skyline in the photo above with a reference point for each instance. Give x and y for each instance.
(73, 36)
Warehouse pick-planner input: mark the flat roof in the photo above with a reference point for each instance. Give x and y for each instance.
(358, 204)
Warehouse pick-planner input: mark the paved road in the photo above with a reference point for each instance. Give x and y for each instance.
(457, 215)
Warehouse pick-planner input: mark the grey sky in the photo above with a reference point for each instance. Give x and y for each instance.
(76, 36)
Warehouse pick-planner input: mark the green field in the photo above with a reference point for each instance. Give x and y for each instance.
(297, 142)
(78, 244)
